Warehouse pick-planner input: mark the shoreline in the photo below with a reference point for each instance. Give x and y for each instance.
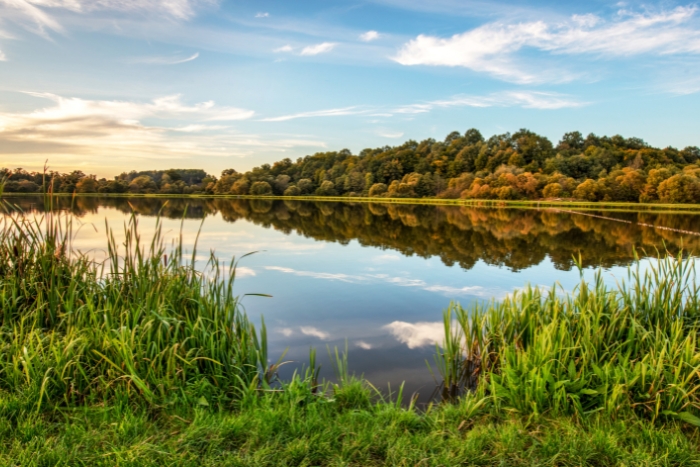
(477, 203)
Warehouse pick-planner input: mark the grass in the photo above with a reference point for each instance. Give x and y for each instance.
(522, 204)
(144, 360)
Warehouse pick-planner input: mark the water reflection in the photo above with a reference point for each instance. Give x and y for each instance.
(514, 238)
(378, 276)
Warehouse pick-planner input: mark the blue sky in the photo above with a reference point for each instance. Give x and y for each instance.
(112, 85)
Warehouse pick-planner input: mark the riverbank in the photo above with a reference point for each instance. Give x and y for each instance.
(143, 360)
(522, 204)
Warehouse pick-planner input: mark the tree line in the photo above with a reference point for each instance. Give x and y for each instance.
(518, 166)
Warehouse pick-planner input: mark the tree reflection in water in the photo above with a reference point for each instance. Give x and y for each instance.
(510, 237)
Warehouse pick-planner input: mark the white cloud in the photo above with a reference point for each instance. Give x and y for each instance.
(390, 134)
(287, 332)
(3, 57)
(416, 335)
(242, 271)
(262, 15)
(386, 257)
(491, 48)
(318, 275)
(284, 48)
(318, 48)
(34, 14)
(475, 291)
(317, 113)
(369, 36)
(525, 99)
(314, 332)
(364, 345)
(166, 60)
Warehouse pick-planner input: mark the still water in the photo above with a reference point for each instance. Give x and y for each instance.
(378, 276)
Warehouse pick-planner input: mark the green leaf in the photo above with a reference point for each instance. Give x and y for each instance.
(589, 392)
(202, 401)
(688, 417)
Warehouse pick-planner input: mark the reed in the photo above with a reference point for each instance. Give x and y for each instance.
(631, 350)
(143, 324)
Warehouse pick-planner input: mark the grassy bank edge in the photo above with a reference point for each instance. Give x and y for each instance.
(277, 431)
(484, 203)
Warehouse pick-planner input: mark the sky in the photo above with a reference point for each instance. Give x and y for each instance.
(106, 86)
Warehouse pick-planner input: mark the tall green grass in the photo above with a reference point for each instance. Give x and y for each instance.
(626, 351)
(143, 324)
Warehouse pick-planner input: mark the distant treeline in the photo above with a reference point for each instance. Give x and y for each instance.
(522, 165)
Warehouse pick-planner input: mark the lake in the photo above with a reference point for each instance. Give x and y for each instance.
(378, 276)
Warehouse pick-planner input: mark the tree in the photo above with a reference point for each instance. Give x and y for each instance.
(327, 188)
(378, 189)
(87, 185)
(552, 190)
(143, 184)
(260, 189)
(680, 188)
(292, 191)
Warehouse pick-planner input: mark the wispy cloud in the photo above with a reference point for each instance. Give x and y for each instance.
(317, 49)
(369, 36)
(314, 332)
(390, 134)
(166, 60)
(3, 57)
(284, 48)
(262, 15)
(475, 291)
(33, 14)
(491, 48)
(317, 113)
(318, 275)
(363, 345)
(525, 99)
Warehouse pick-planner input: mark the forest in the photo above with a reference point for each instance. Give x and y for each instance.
(518, 166)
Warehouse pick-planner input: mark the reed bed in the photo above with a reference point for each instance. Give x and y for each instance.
(631, 350)
(144, 359)
(144, 324)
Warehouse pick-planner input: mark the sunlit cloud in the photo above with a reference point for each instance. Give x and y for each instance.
(317, 49)
(284, 48)
(491, 48)
(286, 332)
(166, 60)
(314, 332)
(262, 15)
(363, 345)
(369, 36)
(71, 130)
(416, 335)
(3, 57)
